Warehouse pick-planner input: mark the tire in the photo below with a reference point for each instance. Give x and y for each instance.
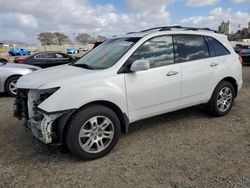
(9, 85)
(90, 119)
(221, 102)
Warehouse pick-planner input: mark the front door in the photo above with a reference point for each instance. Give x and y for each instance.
(157, 90)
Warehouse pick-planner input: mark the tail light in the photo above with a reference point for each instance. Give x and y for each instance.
(19, 61)
(240, 59)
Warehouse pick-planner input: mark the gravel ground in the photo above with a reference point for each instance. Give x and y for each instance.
(182, 149)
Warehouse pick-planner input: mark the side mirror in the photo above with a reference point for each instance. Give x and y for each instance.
(140, 65)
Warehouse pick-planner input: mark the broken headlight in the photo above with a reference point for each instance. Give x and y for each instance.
(46, 93)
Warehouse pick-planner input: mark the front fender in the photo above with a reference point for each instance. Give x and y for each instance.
(77, 95)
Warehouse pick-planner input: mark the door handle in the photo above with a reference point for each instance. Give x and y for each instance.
(213, 64)
(172, 73)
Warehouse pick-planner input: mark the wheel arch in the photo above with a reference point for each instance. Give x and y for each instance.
(233, 82)
(124, 121)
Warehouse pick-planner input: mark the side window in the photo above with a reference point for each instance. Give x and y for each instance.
(60, 56)
(158, 51)
(49, 55)
(216, 48)
(190, 47)
(39, 56)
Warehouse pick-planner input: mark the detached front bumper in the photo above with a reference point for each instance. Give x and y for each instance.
(42, 126)
(45, 126)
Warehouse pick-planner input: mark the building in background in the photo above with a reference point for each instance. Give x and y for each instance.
(224, 28)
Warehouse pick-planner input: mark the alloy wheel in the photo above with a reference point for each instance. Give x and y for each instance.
(224, 99)
(96, 134)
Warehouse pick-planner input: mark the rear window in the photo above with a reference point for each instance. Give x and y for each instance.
(190, 47)
(216, 48)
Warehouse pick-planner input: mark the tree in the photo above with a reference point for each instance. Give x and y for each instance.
(100, 38)
(83, 38)
(60, 37)
(240, 34)
(46, 38)
(244, 33)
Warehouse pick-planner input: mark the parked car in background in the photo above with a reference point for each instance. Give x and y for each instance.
(47, 59)
(73, 50)
(18, 51)
(245, 55)
(87, 104)
(10, 73)
(83, 49)
(3, 60)
(239, 47)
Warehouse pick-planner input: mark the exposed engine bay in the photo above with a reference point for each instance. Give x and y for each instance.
(41, 123)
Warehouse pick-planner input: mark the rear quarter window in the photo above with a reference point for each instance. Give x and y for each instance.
(216, 48)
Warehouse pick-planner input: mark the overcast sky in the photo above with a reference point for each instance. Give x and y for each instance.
(22, 20)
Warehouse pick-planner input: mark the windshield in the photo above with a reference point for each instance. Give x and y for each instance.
(106, 54)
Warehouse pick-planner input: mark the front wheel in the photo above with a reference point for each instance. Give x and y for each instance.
(222, 99)
(93, 132)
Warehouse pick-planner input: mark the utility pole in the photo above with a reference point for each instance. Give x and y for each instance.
(74, 39)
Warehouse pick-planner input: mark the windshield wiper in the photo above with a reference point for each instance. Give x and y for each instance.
(85, 66)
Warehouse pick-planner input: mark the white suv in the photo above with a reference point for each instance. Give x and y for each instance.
(87, 104)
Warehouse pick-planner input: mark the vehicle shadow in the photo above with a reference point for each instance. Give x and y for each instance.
(169, 118)
(160, 121)
(5, 95)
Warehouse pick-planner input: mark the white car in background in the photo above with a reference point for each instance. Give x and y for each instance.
(10, 73)
(86, 105)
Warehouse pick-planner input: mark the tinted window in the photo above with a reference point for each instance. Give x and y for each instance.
(39, 56)
(49, 55)
(58, 55)
(45, 56)
(158, 51)
(216, 48)
(190, 47)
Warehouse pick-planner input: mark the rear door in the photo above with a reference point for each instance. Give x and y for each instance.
(198, 68)
(38, 60)
(46, 59)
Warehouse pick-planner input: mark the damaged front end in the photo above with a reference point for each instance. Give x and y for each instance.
(44, 125)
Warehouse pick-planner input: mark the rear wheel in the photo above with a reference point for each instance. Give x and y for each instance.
(93, 132)
(10, 85)
(222, 99)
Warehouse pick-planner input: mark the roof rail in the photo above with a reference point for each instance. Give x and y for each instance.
(170, 28)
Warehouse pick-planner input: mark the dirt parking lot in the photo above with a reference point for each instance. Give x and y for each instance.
(186, 148)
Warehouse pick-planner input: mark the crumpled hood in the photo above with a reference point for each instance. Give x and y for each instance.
(57, 76)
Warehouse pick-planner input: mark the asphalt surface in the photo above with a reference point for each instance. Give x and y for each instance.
(183, 149)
